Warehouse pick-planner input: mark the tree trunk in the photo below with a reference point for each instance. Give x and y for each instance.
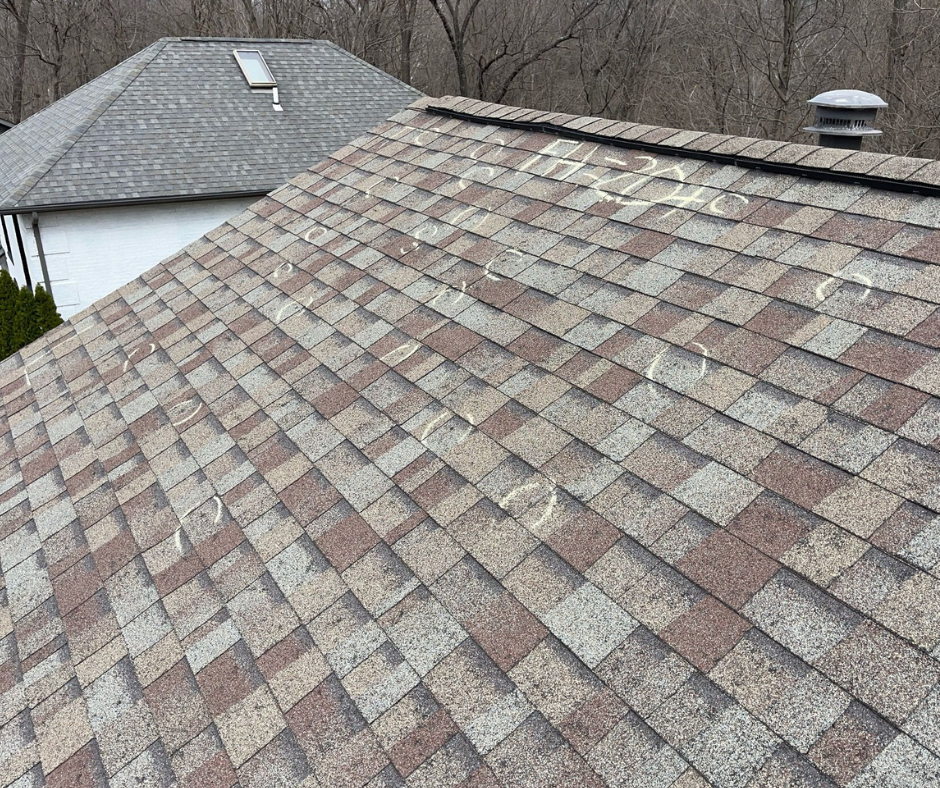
(406, 24)
(791, 9)
(19, 67)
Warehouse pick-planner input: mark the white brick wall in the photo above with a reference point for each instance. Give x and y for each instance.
(92, 252)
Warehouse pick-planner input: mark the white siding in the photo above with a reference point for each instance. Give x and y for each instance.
(92, 252)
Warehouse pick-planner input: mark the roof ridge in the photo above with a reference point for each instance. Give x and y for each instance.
(92, 117)
(812, 159)
(217, 39)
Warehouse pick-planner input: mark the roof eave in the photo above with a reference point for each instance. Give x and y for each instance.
(16, 209)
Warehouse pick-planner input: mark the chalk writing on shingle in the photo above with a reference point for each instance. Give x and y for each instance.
(218, 517)
(431, 425)
(401, 349)
(613, 187)
(284, 267)
(280, 312)
(860, 278)
(187, 418)
(131, 355)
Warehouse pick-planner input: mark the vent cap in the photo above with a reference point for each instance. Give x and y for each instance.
(843, 117)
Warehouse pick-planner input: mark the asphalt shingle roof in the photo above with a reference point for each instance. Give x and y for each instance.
(178, 119)
(479, 457)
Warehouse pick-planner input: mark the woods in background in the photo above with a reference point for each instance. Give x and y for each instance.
(744, 67)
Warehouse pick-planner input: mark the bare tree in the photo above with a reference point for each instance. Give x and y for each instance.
(733, 66)
(20, 11)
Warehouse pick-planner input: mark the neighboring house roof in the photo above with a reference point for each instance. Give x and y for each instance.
(475, 456)
(178, 119)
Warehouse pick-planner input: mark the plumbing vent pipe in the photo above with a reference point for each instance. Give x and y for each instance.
(843, 118)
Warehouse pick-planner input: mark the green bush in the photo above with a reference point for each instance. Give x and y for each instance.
(8, 293)
(49, 316)
(24, 316)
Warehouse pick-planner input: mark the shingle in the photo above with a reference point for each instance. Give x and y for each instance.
(801, 617)
(549, 531)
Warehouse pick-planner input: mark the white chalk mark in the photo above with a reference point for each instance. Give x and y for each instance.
(713, 205)
(472, 423)
(606, 183)
(280, 312)
(218, 510)
(821, 288)
(35, 359)
(654, 173)
(460, 216)
(512, 494)
(41, 354)
(425, 233)
(530, 162)
(864, 280)
(417, 140)
(215, 521)
(488, 267)
(190, 416)
(288, 267)
(433, 423)
(549, 510)
(442, 291)
(550, 506)
(399, 349)
(557, 148)
(133, 353)
(321, 231)
(655, 362)
(684, 200)
(705, 356)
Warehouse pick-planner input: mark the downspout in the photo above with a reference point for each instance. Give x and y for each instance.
(42, 254)
(19, 243)
(8, 257)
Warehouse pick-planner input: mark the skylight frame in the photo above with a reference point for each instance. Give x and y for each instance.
(254, 83)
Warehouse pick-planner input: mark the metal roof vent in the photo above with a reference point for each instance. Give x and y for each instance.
(842, 117)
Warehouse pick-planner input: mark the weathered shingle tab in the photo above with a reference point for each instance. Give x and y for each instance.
(473, 456)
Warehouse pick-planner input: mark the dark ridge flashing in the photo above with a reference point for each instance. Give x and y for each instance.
(819, 173)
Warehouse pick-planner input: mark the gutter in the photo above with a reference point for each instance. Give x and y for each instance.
(76, 206)
(42, 254)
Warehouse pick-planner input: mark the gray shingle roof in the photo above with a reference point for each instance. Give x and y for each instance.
(178, 119)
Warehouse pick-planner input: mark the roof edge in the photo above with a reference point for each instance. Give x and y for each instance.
(367, 64)
(15, 210)
(237, 40)
(50, 161)
(878, 170)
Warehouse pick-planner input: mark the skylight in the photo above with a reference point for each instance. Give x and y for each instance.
(254, 68)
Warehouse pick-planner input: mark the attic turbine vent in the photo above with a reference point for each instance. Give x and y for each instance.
(255, 70)
(843, 117)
